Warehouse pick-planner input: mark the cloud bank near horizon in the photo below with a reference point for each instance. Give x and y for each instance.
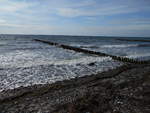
(75, 17)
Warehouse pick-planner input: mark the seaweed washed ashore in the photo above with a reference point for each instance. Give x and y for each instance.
(124, 89)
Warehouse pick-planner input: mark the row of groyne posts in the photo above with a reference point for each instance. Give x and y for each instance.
(76, 49)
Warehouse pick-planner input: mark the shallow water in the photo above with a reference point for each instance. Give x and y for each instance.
(109, 45)
(24, 62)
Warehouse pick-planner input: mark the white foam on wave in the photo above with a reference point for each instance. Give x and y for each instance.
(82, 60)
(3, 42)
(32, 58)
(119, 46)
(28, 67)
(16, 77)
(29, 59)
(75, 44)
(138, 55)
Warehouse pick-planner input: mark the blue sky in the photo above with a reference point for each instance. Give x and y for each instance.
(76, 17)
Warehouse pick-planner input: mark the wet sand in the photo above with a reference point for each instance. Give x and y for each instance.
(121, 90)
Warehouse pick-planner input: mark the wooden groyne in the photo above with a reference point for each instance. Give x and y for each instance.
(76, 49)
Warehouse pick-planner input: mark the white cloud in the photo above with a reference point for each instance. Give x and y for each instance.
(2, 21)
(102, 8)
(15, 13)
(126, 30)
(7, 6)
(130, 21)
(46, 17)
(71, 12)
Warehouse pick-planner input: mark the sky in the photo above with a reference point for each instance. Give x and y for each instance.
(76, 17)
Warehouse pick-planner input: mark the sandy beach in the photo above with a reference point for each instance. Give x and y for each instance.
(74, 56)
(124, 89)
(44, 76)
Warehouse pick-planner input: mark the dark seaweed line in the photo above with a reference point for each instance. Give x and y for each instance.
(76, 49)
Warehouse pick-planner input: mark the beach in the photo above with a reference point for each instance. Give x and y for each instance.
(63, 74)
(74, 56)
(124, 89)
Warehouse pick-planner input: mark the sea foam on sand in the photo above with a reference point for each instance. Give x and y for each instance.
(51, 72)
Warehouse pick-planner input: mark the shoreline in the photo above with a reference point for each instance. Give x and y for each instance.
(77, 95)
(118, 90)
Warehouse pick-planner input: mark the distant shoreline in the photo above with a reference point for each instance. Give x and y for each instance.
(79, 35)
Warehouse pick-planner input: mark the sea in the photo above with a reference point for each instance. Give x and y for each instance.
(25, 62)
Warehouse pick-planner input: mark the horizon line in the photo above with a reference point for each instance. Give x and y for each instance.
(76, 35)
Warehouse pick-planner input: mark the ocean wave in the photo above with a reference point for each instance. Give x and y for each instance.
(83, 60)
(60, 70)
(29, 48)
(144, 45)
(139, 55)
(2, 43)
(84, 46)
(89, 46)
(120, 46)
(42, 61)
